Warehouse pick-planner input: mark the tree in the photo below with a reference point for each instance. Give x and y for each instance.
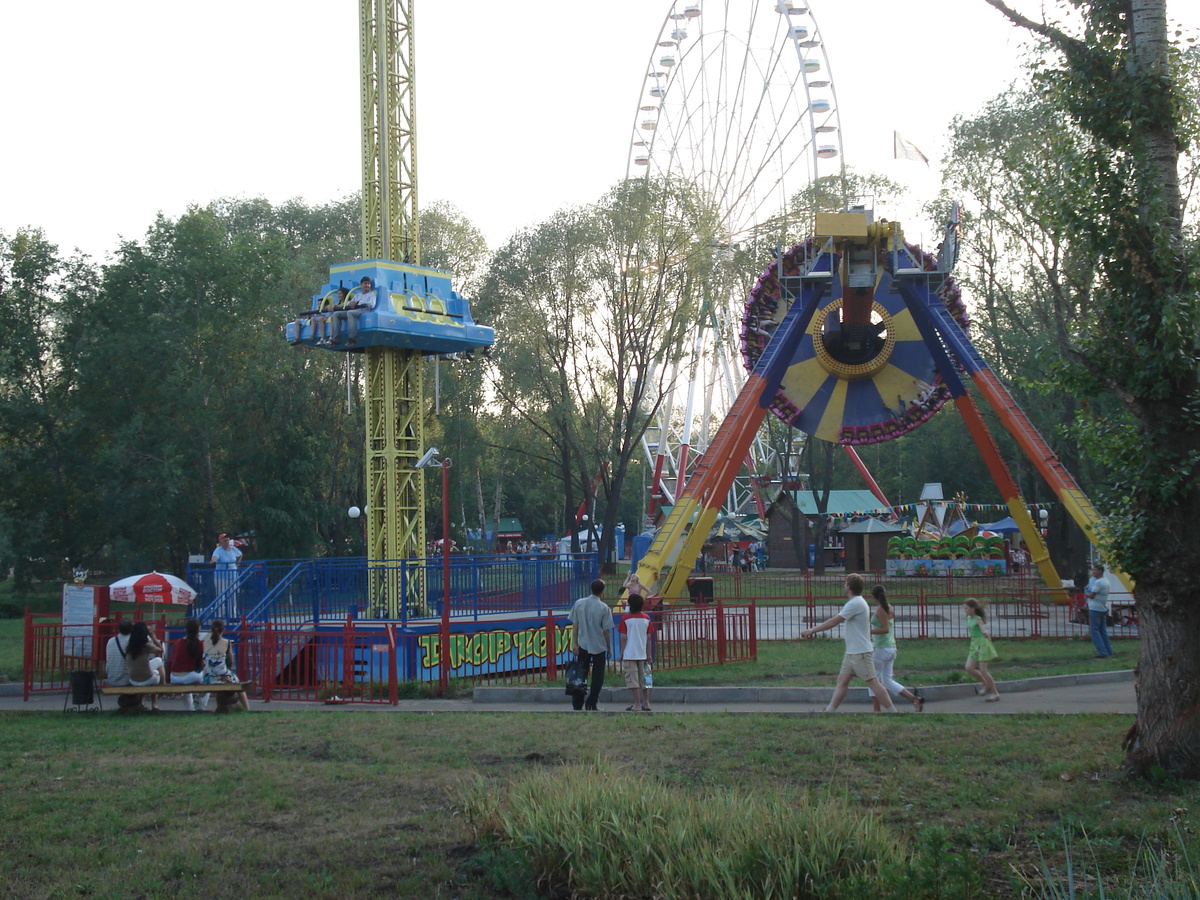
(593, 306)
(1119, 201)
(1026, 276)
(44, 454)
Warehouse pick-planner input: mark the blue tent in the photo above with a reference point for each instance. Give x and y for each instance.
(1007, 525)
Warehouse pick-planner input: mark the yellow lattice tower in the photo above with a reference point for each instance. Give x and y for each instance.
(395, 434)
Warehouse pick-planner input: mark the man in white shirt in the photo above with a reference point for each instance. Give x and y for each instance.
(225, 559)
(116, 669)
(860, 657)
(1097, 601)
(364, 302)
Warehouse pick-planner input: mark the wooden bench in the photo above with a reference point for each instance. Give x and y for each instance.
(129, 695)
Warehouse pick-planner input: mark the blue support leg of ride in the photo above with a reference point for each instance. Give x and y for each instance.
(780, 350)
(940, 319)
(923, 316)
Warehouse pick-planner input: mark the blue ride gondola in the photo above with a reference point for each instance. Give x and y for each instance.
(416, 308)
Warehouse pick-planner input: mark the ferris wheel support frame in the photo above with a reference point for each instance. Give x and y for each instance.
(680, 441)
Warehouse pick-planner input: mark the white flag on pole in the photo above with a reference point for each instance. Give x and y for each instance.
(908, 150)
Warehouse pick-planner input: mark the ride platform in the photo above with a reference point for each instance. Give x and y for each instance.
(416, 308)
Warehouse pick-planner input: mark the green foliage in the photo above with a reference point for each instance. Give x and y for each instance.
(594, 831)
(1161, 871)
(1086, 283)
(148, 404)
(594, 305)
(1121, 205)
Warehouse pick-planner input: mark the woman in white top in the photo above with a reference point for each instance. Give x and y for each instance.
(219, 662)
(884, 654)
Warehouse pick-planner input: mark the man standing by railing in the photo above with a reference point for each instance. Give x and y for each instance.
(1097, 602)
(593, 622)
(225, 557)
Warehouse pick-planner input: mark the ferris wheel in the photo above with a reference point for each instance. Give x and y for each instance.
(738, 100)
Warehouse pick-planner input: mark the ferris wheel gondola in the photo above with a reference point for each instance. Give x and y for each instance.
(738, 101)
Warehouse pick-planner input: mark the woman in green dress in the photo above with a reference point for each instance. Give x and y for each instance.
(981, 649)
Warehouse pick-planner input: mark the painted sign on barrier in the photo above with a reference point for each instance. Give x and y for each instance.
(496, 652)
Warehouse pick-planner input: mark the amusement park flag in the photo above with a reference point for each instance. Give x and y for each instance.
(908, 150)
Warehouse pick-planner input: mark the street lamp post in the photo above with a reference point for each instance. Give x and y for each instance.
(444, 630)
(444, 671)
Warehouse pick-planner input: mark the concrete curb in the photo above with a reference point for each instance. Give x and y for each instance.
(732, 695)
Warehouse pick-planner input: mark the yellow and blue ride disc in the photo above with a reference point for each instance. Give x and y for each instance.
(861, 375)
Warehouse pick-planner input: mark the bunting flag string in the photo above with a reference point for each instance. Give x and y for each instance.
(913, 508)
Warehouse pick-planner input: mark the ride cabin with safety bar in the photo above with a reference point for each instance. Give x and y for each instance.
(416, 308)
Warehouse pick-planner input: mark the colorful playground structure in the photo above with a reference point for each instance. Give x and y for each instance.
(856, 336)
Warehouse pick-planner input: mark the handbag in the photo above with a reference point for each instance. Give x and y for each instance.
(576, 677)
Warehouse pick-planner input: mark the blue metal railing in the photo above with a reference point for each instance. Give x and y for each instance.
(310, 590)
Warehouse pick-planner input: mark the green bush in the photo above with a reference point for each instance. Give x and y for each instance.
(594, 832)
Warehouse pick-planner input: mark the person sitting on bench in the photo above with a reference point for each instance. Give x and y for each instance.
(116, 667)
(219, 662)
(187, 663)
(145, 660)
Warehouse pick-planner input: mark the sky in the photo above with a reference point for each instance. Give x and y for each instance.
(118, 111)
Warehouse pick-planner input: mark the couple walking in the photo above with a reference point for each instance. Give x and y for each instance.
(593, 623)
(871, 648)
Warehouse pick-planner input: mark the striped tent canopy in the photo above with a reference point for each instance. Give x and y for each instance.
(730, 528)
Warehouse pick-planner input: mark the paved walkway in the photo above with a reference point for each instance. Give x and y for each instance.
(1095, 692)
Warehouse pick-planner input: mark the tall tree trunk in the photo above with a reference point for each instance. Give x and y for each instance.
(210, 497)
(1150, 55)
(1166, 735)
(1167, 732)
(497, 507)
(568, 483)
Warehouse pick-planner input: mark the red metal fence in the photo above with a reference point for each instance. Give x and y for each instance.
(1035, 617)
(353, 662)
(360, 663)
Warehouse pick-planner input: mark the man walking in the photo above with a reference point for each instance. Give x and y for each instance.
(859, 659)
(1097, 600)
(593, 622)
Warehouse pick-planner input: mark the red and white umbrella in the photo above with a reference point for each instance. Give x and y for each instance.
(152, 588)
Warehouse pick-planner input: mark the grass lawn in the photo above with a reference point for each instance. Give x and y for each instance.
(362, 804)
(358, 803)
(919, 662)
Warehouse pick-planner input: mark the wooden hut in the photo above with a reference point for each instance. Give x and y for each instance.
(866, 544)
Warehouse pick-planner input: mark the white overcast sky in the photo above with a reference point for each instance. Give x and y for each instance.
(116, 111)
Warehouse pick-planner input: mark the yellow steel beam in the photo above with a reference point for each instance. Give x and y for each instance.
(390, 231)
(390, 225)
(395, 488)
